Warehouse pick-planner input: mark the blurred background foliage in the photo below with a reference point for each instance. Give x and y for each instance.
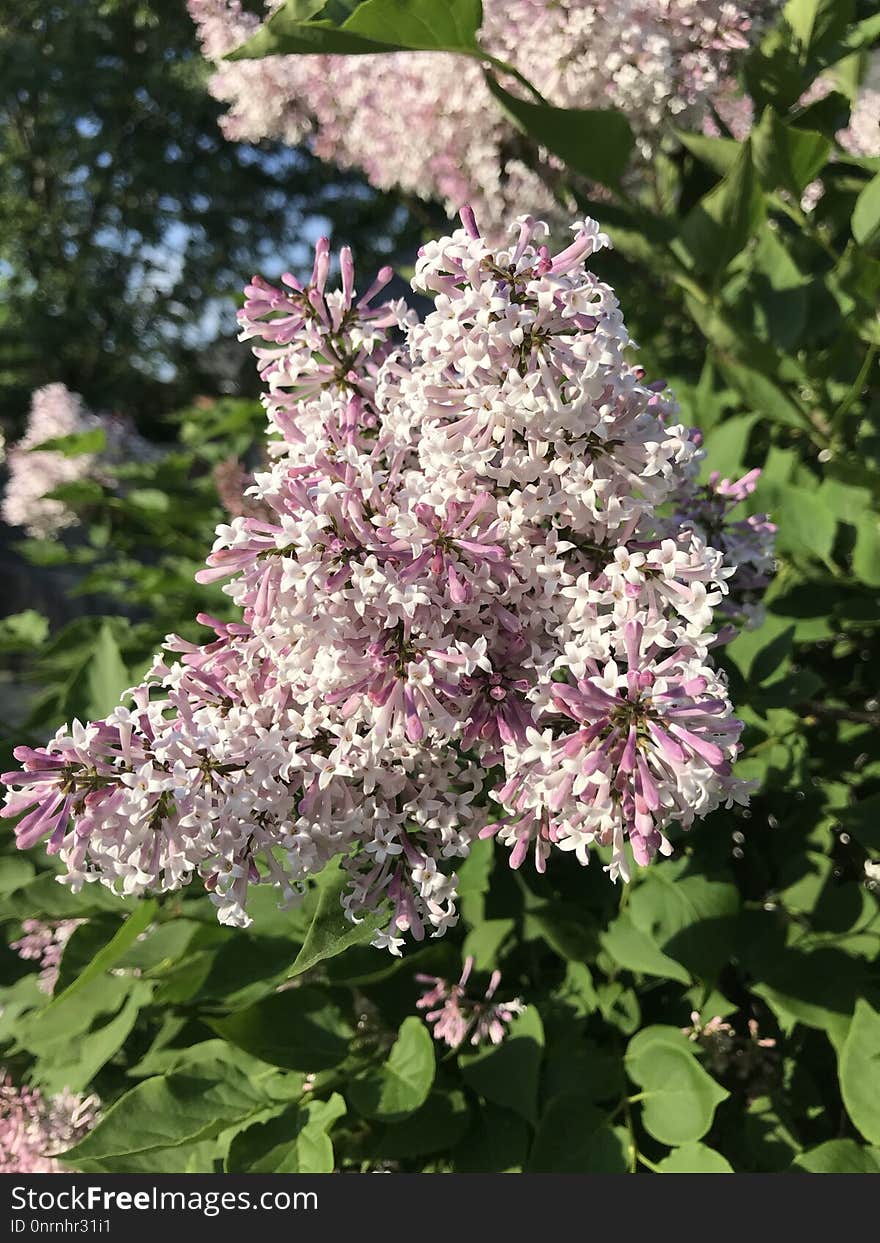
(763, 318)
(127, 221)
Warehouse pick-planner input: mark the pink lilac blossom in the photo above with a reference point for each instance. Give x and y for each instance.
(56, 412)
(33, 1128)
(455, 1015)
(465, 616)
(862, 134)
(653, 59)
(44, 943)
(746, 543)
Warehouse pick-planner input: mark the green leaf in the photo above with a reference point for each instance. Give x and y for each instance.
(484, 943)
(866, 553)
(719, 153)
(786, 156)
(726, 444)
(14, 872)
(330, 933)
(805, 522)
(860, 1071)
(817, 987)
(772, 72)
(694, 1159)
(402, 1084)
(566, 928)
(619, 1006)
(162, 1117)
(837, 1156)
(374, 26)
(420, 24)
(574, 1137)
(78, 492)
(152, 499)
(635, 950)
(75, 444)
(762, 394)
(863, 821)
(44, 898)
(165, 946)
(691, 918)
(299, 1029)
(577, 990)
(718, 227)
(497, 1143)
(107, 676)
(780, 292)
(473, 882)
(20, 631)
(294, 1142)
(680, 1097)
(436, 1127)
(815, 23)
(866, 213)
(596, 143)
(71, 1064)
(763, 1142)
(772, 656)
(109, 955)
(507, 1074)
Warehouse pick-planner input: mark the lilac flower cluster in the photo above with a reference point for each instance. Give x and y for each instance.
(455, 1015)
(57, 412)
(653, 59)
(34, 1128)
(466, 617)
(44, 943)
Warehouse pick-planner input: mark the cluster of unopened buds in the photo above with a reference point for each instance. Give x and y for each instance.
(483, 606)
(455, 1015)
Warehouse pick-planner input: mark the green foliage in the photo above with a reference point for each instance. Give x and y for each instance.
(859, 1066)
(329, 933)
(372, 26)
(401, 1085)
(596, 143)
(680, 1098)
